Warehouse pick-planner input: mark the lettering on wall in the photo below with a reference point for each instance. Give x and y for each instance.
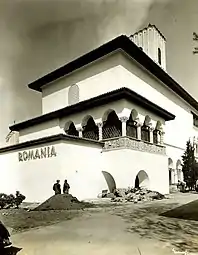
(45, 152)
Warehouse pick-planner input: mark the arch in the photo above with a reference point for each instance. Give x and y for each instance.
(157, 132)
(106, 114)
(131, 124)
(134, 115)
(158, 125)
(179, 169)
(145, 129)
(73, 94)
(70, 129)
(112, 127)
(110, 181)
(170, 169)
(147, 120)
(85, 120)
(90, 130)
(159, 53)
(179, 164)
(170, 163)
(142, 180)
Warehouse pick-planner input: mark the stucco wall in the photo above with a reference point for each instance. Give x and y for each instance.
(40, 130)
(129, 162)
(34, 178)
(118, 70)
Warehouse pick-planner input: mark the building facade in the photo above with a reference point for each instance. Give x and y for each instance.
(113, 118)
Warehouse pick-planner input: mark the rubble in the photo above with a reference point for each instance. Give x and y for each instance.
(136, 195)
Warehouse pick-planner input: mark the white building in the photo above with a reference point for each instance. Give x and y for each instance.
(111, 118)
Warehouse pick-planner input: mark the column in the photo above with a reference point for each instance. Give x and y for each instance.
(80, 129)
(100, 125)
(139, 125)
(123, 119)
(172, 176)
(162, 138)
(176, 176)
(151, 134)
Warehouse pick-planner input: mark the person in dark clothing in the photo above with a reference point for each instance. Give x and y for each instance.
(4, 235)
(57, 187)
(66, 187)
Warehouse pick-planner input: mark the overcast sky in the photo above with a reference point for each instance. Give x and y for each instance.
(38, 36)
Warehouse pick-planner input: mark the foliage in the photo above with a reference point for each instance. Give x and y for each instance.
(189, 166)
(8, 201)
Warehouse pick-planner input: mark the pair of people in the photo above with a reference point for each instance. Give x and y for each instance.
(57, 187)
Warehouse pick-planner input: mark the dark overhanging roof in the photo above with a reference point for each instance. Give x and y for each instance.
(123, 43)
(122, 93)
(49, 139)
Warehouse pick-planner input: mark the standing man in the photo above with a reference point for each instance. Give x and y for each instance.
(66, 187)
(57, 187)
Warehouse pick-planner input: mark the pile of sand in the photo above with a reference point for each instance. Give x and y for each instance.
(62, 202)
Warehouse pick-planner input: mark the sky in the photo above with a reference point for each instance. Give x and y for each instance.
(38, 36)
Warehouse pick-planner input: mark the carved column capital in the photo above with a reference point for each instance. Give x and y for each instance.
(139, 124)
(123, 118)
(79, 129)
(99, 124)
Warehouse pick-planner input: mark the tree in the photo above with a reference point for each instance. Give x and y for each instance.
(189, 166)
(195, 38)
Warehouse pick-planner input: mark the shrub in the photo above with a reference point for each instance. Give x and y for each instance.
(8, 201)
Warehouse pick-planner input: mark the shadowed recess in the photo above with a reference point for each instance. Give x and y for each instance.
(187, 212)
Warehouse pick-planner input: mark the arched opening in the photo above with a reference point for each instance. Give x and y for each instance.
(90, 129)
(112, 126)
(159, 56)
(131, 125)
(157, 132)
(110, 181)
(179, 170)
(73, 94)
(170, 169)
(70, 129)
(142, 180)
(145, 129)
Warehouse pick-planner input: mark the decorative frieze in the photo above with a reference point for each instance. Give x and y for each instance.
(129, 143)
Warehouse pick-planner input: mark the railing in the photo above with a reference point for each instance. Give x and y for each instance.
(133, 144)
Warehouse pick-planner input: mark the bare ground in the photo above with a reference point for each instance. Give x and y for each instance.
(107, 229)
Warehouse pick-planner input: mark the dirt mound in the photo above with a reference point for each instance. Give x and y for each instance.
(136, 195)
(62, 202)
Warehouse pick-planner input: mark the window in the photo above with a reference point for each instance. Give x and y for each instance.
(73, 94)
(196, 148)
(195, 120)
(159, 56)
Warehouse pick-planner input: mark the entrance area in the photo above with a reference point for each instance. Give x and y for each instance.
(142, 180)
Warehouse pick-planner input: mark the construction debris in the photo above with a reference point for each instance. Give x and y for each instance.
(136, 195)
